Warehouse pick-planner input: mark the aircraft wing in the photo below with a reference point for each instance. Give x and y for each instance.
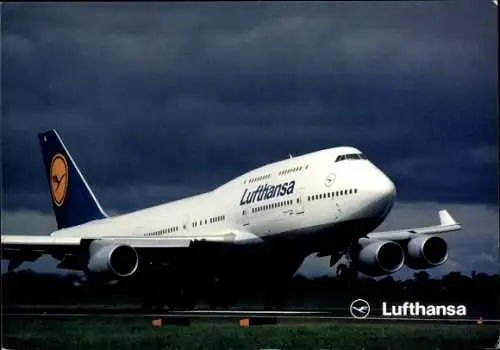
(20, 248)
(447, 224)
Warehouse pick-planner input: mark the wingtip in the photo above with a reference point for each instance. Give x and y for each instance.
(445, 218)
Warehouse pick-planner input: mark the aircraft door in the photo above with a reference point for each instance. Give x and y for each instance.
(186, 224)
(300, 202)
(244, 217)
(338, 211)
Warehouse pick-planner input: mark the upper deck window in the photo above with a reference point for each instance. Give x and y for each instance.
(351, 156)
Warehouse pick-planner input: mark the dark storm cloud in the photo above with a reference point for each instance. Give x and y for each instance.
(158, 101)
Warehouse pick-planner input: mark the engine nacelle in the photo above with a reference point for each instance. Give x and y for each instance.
(426, 251)
(380, 258)
(107, 258)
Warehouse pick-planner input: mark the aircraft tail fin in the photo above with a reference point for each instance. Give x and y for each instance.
(73, 201)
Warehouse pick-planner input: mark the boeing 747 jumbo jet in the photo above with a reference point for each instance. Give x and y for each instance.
(266, 221)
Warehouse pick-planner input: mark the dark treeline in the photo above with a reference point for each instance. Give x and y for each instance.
(480, 292)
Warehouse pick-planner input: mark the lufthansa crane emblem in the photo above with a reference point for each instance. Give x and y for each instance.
(330, 179)
(59, 178)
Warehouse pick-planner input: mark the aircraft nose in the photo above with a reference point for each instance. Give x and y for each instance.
(385, 187)
(383, 193)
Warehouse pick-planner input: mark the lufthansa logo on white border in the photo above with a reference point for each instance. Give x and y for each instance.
(359, 308)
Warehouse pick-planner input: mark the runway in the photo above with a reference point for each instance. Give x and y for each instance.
(328, 315)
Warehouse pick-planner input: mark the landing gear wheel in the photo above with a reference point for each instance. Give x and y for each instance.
(217, 293)
(276, 292)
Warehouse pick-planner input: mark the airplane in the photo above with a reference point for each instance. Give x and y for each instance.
(264, 222)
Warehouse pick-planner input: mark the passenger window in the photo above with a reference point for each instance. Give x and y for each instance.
(328, 194)
(350, 191)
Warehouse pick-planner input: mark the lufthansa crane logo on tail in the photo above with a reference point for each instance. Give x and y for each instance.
(58, 178)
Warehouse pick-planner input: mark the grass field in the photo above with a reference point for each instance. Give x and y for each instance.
(138, 333)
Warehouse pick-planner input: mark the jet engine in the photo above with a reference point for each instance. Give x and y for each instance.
(380, 258)
(426, 251)
(117, 260)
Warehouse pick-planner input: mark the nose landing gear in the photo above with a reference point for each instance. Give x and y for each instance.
(345, 271)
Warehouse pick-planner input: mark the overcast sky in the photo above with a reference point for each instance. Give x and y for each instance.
(158, 101)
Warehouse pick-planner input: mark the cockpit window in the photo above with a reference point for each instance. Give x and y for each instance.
(352, 156)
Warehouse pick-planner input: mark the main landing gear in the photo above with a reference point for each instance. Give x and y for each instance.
(276, 291)
(163, 286)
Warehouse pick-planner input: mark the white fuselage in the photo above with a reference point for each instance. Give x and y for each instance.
(305, 195)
